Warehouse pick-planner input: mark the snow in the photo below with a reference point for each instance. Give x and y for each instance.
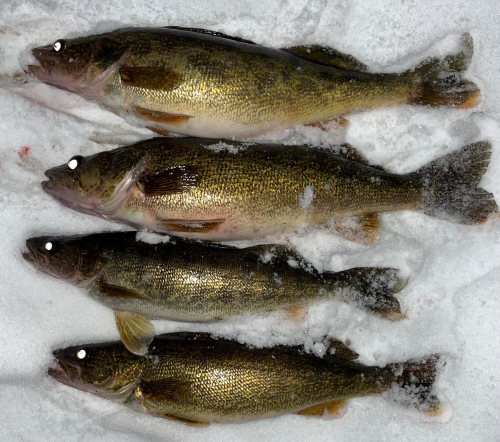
(451, 301)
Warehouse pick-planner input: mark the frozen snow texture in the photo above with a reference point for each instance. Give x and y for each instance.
(452, 299)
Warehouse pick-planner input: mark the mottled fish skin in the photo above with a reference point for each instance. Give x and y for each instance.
(205, 84)
(191, 281)
(195, 379)
(206, 189)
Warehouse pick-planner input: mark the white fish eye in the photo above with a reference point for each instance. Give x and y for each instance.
(74, 162)
(48, 246)
(81, 354)
(57, 46)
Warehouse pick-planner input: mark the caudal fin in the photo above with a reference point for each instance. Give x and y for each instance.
(440, 83)
(415, 382)
(450, 186)
(371, 289)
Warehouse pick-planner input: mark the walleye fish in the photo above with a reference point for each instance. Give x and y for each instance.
(190, 281)
(219, 191)
(203, 83)
(195, 379)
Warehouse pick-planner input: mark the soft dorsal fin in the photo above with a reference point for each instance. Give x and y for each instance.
(136, 332)
(153, 78)
(350, 153)
(340, 350)
(327, 56)
(170, 180)
(212, 33)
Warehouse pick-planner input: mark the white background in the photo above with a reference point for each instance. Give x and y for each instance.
(452, 299)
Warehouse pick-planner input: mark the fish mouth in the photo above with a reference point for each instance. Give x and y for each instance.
(35, 258)
(64, 371)
(50, 71)
(67, 198)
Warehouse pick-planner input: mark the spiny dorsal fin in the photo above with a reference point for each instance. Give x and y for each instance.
(136, 332)
(154, 78)
(328, 57)
(212, 33)
(170, 180)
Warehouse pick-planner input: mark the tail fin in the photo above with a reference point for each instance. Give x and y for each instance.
(450, 186)
(372, 289)
(415, 378)
(440, 82)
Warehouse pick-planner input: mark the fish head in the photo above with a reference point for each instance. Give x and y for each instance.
(74, 259)
(108, 370)
(98, 184)
(81, 65)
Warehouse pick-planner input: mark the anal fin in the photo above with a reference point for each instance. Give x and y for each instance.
(189, 226)
(181, 420)
(136, 332)
(161, 117)
(296, 313)
(325, 125)
(332, 409)
(162, 132)
(363, 229)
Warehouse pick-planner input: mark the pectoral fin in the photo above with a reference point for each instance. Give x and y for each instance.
(136, 332)
(153, 78)
(186, 226)
(116, 291)
(333, 408)
(361, 229)
(166, 390)
(327, 56)
(170, 180)
(161, 117)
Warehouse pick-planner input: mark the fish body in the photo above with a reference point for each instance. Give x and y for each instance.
(196, 379)
(219, 191)
(189, 281)
(207, 84)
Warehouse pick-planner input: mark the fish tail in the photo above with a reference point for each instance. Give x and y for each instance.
(414, 381)
(450, 186)
(371, 289)
(440, 83)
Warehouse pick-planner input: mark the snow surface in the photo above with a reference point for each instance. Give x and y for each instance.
(452, 299)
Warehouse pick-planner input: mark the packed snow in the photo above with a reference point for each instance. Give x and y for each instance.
(451, 302)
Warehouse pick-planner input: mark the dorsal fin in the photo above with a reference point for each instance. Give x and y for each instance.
(212, 33)
(327, 56)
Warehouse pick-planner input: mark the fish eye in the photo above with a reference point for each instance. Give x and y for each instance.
(48, 246)
(59, 45)
(74, 162)
(81, 354)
